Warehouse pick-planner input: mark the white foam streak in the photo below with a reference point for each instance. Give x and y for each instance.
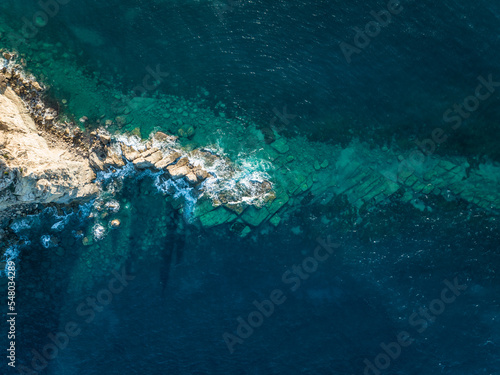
(11, 254)
(227, 177)
(46, 241)
(119, 173)
(24, 223)
(179, 189)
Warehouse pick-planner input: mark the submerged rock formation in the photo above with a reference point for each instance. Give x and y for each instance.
(45, 161)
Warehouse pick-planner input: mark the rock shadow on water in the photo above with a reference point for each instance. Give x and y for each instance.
(173, 249)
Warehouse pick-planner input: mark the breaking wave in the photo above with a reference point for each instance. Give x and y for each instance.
(241, 180)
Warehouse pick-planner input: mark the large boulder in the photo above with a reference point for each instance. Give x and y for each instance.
(149, 160)
(179, 169)
(167, 159)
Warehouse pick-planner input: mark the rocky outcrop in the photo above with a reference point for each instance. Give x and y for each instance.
(35, 166)
(234, 182)
(40, 163)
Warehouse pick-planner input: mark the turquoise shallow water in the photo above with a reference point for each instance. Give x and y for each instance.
(257, 56)
(276, 66)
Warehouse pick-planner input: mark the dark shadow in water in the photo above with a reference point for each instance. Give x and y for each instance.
(174, 247)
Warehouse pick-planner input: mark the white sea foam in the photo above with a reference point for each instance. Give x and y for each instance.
(239, 179)
(112, 206)
(169, 144)
(24, 223)
(59, 226)
(46, 241)
(62, 221)
(132, 141)
(149, 173)
(99, 232)
(11, 254)
(118, 173)
(239, 182)
(179, 189)
(85, 210)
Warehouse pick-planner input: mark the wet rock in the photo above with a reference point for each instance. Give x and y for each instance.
(113, 160)
(129, 153)
(179, 169)
(201, 174)
(36, 86)
(103, 158)
(115, 223)
(191, 178)
(105, 139)
(135, 131)
(162, 137)
(148, 161)
(167, 160)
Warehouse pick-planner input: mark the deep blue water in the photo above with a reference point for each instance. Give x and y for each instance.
(372, 288)
(258, 55)
(255, 56)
